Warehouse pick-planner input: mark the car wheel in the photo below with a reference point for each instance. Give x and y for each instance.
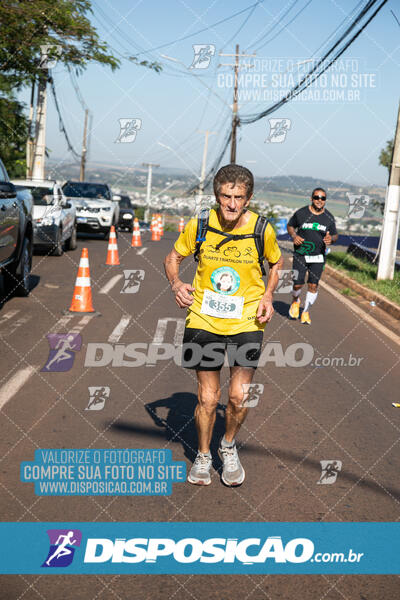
(58, 246)
(18, 283)
(72, 241)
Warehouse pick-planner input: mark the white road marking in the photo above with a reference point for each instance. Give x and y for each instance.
(159, 336)
(62, 323)
(18, 380)
(82, 323)
(119, 330)
(110, 284)
(13, 326)
(13, 385)
(8, 316)
(141, 251)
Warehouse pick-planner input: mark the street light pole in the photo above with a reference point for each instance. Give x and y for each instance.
(391, 217)
(148, 191)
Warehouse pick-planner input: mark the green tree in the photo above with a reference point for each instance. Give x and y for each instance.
(26, 25)
(385, 156)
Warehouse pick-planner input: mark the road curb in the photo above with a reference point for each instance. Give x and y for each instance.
(361, 313)
(390, 307)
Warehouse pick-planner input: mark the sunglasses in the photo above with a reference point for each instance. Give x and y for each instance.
(315, 197)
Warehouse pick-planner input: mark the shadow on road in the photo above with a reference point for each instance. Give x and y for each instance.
(282, 308)
(173, 418)
(6, 296)
(174, 421)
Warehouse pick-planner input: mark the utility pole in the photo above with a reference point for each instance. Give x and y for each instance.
(148, 192)
(235, 118)
(204, 161)
(29, 141)
(84, 147)
(391, 217)
(39, 152)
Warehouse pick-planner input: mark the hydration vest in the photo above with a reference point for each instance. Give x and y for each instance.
(258, 235)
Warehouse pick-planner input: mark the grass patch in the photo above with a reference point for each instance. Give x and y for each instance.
(365, 273)
(348, 292)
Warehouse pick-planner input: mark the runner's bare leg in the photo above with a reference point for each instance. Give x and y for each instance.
(209, 394)
(235, 413)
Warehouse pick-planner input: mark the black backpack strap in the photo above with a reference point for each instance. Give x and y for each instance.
(202, 227)
(259, 235)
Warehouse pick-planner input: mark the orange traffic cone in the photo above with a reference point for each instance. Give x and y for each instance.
(82, 298)
(112, 251)
(160, 226)
(181, 225)
(154, 231)
(136, 239)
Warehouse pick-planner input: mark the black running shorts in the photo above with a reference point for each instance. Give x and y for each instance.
(300, 268)
(205, 351)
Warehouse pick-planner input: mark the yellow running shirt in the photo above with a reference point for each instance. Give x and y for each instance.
(228, 282)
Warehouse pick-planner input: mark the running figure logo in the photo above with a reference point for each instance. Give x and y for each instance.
(203, 54)
(357, 205)
(62, 351)
(278, 130)
(330, 470)
(128, 130)
(251, 394)
(133, 279)
(97, 397)
(63, 543)
(285, 283)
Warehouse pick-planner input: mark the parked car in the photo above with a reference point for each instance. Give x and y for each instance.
(96, 211)
(16, 236)
(126, 212)
(54, 217)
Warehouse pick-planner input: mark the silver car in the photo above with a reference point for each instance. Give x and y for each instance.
(54, 217)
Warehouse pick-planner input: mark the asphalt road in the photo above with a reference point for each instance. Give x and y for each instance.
(306, 414)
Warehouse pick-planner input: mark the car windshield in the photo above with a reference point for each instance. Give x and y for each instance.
(42, 196)
(86, 190)
(125, 203)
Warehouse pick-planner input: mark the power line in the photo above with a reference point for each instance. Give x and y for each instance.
(278, 19)
(189, 35)
(78, 92)
(313, 74)
(61, 122)
(284, 26)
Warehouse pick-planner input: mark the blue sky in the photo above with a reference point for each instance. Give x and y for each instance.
(330, 139)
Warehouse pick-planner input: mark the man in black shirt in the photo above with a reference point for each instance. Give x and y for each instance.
(312, 229)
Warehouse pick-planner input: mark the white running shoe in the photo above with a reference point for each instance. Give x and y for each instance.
(200, 471)
(232, 472)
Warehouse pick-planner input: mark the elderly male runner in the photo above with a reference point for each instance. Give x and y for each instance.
(312, 228)
(228, 307)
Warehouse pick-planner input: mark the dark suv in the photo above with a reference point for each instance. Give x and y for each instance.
(16, 236)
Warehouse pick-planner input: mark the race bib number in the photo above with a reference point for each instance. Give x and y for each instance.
(222, 307)
(318, 258)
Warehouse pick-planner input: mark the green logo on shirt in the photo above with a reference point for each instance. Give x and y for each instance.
(225, 280)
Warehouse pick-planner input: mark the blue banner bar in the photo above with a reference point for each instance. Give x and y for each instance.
(197, 548)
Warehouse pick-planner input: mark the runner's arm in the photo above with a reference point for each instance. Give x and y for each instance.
(181, 290)
(297, 240)
(265, 308)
